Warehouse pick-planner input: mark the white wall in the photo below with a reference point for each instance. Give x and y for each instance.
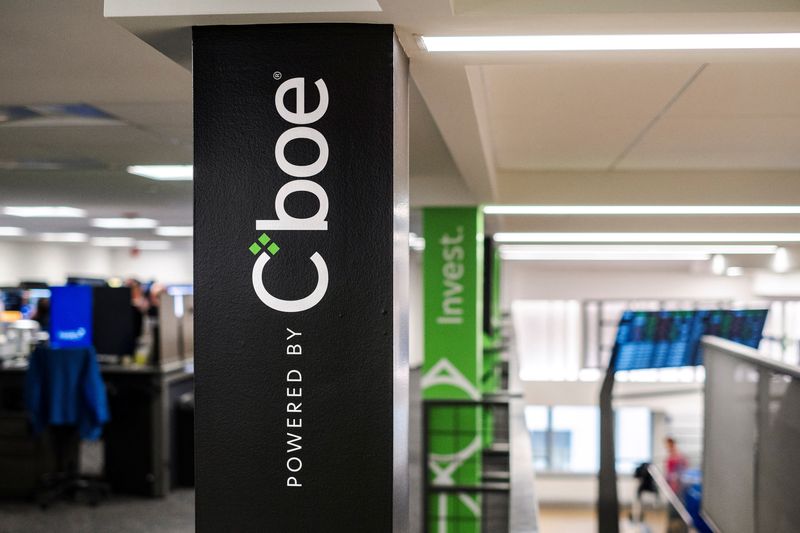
(526, 281)
(53, 263)
(166, 266)
(679, 414)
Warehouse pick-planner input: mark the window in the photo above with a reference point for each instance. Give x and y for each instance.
(566, 438)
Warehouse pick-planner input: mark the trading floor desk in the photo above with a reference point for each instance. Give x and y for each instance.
(142, 445)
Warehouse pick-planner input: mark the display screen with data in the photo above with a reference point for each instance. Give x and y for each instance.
(663, 339)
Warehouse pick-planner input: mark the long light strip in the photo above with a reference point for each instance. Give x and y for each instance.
(175, 231)
(10, 231)
(124, 223)
(643, 237)
(44, 212)
(635, 249)
(589, 43)
(115, 242)
(603, 256)
(642, 209)
(163, 172)
(63, 237)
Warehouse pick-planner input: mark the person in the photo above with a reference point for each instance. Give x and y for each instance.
(646, 486)
(675, 465)
(42, 313)
(140, 306)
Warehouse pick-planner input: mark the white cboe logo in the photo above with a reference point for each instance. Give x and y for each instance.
(264, 249)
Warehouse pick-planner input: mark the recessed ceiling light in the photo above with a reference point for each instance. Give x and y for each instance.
(718, 264)
(112, 241)
(63, 237)
(780, 263)
(175, 231)
(642, 209)
(734, 271)
(10, 231)
(589, 43)
(643, 237)
(44, 212)
(124, 223)
(153, 245)
(163, 172)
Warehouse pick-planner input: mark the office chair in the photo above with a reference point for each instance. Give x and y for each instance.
(65, 394)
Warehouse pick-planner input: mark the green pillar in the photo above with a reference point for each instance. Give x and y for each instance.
(453, 366)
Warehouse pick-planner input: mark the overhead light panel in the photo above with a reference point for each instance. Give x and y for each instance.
(63, 237)
(734, 271)
(163, 172)
(124, 223)
(591, 43)
(642, 209)
(153, 245)
(642, 237)
(780, 262)
(114, 242)
(718, 264)
(175, 231)
(44, 212)
(10, 231)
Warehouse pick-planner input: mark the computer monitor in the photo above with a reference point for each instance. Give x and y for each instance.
(71, 316)
(113, 321)
(665, 339)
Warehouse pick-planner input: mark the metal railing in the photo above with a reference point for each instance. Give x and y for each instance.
(672, 498)
(503, 499)
(751, 452)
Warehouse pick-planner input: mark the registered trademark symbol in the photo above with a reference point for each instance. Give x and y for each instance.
(277, 75)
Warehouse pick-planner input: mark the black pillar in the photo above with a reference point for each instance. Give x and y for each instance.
(301, 214)
(607, 500)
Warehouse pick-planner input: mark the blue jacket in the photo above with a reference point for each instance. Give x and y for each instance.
(64, 387)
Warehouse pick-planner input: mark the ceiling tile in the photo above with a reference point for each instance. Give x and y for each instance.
(708, 143)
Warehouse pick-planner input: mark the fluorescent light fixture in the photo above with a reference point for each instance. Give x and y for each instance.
(163, 172)
(63, 237)
(10, 231)
(590, 43)
(124, 223)
(44, 212)
(643, 237)
(153, 245)
(415, 242)
(780, 263)
(707, 249)
(117, 242)
(718, 264)
(734, 271)
(175, 231)
(642, 209)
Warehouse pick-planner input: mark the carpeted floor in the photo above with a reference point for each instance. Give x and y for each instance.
(174, 514)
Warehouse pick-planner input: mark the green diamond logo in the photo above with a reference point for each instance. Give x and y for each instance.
(264, 239)
(255, 248)
(273, 248)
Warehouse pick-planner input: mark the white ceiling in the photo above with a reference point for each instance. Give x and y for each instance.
(633, 127)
